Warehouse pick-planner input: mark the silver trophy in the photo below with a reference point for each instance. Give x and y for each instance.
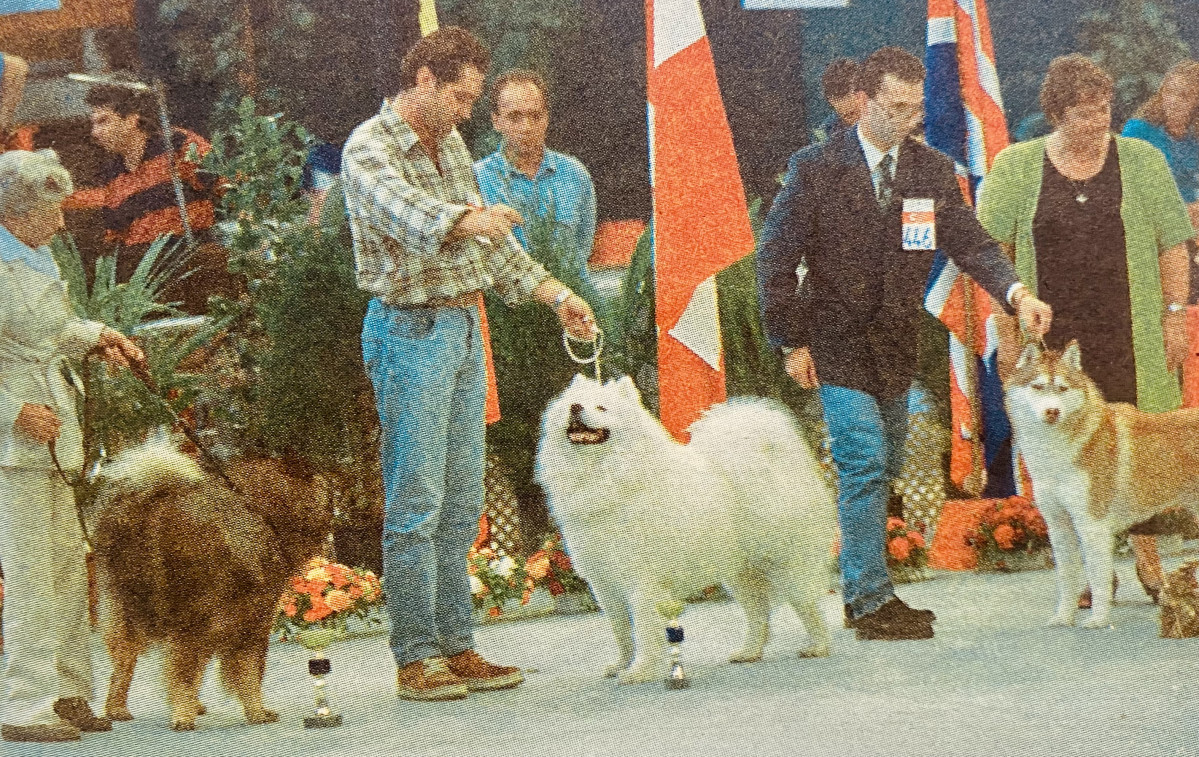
(677, 678)
(315, 640)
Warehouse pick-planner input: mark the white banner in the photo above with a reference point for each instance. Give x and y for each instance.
(787, 5)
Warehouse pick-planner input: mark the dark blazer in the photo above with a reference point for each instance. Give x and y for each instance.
(858, 305)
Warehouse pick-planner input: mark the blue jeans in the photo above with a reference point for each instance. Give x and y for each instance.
(867, 437)
(426, 365)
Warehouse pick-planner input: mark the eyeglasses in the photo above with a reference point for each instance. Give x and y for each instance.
(898, 111)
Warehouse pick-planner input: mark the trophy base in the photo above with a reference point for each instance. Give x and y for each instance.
(322, 721)
(674, 684)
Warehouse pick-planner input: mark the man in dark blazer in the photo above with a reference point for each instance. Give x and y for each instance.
(842, 266)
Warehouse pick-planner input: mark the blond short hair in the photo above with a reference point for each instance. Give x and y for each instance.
(29, 179)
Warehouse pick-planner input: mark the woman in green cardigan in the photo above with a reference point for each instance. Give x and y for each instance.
(1097, 229)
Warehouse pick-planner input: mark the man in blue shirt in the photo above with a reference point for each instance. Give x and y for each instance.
(544, 186)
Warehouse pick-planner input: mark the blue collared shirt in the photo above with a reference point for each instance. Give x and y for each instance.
(561, 193)
(40, 260)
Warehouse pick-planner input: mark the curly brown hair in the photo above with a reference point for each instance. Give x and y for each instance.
(1072, 80)
(444, 52)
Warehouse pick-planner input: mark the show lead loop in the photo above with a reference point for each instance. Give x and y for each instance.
(597, 340)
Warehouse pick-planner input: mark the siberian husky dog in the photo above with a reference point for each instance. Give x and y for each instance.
(1097, 467)
(647, 519)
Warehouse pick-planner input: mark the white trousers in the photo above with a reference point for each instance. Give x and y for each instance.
(45, 597)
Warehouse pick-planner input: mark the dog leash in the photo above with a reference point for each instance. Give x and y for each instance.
(87, 539)
(598, 341)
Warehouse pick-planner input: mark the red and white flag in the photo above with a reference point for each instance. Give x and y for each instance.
(701, 221)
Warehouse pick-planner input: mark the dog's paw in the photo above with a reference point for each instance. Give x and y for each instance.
(121, 713)
(815, 650)
(746, 655)
(1061, 619)
(615, 669)
(643, 674)
(262, 716)
(1104, 621)
(181, 724)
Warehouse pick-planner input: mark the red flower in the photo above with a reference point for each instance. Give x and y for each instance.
(916, 538)
(1004, 535)
(493, 612)
(894, 523)
(900, 548)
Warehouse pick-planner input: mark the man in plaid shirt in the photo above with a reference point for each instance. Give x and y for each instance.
(425, 247)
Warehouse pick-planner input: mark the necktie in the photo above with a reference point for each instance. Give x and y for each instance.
(886, 181)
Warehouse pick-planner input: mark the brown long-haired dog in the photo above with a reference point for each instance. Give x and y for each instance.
(189, 563)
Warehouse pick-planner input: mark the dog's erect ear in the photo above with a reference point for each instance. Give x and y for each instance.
(1073, 355)
(1031, 353)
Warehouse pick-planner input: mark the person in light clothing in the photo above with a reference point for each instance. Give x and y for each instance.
(48, 673)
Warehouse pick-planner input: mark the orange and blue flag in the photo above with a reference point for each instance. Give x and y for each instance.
(964, 119)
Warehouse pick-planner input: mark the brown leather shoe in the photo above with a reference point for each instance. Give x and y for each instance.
(481, 675)
(429, 680)
(43, 733)
(77, 712)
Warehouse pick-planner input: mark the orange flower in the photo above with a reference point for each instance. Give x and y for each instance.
(355, 592)
(338, 600)
(895, 523)
(493, 612)
(900, 548)
(289, 609)
(538, 566)
(916, 538)
(1003, 535)
(318, 612)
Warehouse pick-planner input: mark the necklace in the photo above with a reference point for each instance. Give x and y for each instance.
(1080, 194)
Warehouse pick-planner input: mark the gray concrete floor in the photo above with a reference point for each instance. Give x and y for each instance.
(994, 682)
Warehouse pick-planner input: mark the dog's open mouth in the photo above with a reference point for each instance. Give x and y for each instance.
(580, 433)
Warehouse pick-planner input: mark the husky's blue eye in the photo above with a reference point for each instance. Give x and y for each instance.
(601, 408)
(1038, 386)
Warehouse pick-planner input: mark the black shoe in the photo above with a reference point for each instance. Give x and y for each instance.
(76, 712)
(893, 609)
(894, 621)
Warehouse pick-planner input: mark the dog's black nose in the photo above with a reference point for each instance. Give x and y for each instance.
(1052, 414)
(576, 408)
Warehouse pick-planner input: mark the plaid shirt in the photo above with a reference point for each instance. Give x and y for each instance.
(401, 209)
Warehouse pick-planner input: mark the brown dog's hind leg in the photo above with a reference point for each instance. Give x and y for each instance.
(124, 647)
(184, 670)
(241, 673)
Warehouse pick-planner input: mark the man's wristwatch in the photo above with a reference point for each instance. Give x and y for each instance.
(1176, 307)
(787, 350)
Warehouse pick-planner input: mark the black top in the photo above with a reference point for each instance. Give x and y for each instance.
(1082, 272)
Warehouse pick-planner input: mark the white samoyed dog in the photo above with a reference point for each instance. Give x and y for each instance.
(647, 519)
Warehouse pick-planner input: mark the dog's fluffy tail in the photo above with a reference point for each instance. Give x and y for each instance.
(151, 468)
(756, 443)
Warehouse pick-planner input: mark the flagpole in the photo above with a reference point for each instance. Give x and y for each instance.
(976, 480)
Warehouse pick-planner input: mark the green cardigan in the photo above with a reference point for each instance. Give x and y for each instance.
(1155, 219)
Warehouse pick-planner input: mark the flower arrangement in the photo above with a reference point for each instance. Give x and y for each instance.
(324, 594)
(907, 553)
(1011, 535)
(495, 579)
(550, 567)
